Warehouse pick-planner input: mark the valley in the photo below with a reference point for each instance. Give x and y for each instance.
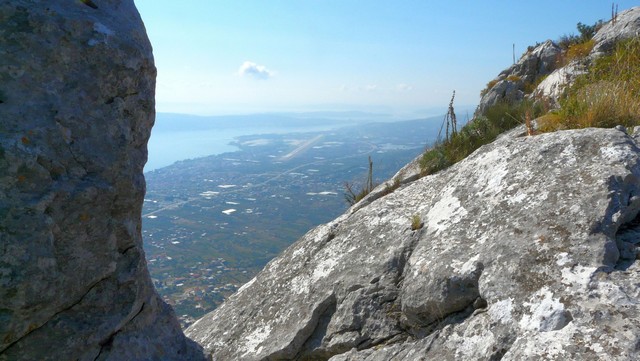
(211, 223)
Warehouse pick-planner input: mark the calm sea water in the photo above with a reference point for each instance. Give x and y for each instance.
(165, 148)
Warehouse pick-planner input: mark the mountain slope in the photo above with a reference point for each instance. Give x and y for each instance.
(527, 250)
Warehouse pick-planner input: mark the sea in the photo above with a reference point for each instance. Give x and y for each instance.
(178, 137)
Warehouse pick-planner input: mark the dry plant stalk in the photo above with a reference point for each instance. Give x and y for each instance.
(450, 120)
(527, 123)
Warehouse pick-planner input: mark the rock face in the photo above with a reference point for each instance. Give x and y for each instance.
(627, 25)
(553, 85)
(76, 109)
(511, 83)
(542, 61)
(527, 252)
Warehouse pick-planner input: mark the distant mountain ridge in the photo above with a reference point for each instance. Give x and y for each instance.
(168, 122)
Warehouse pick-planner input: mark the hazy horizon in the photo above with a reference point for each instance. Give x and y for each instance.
(176, 137)
(241, 57)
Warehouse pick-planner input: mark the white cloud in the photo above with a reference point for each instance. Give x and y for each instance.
(403, 87)
(252, 69)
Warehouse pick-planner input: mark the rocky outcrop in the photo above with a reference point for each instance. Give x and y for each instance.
(626, 25)
(527, 251)
(511, 83)
(552, 86)
(76, 109)
(541, 65)
(539, 61)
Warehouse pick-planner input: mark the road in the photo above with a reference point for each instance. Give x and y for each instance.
(303, 147)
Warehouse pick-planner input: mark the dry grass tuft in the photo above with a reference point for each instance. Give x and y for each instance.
(514, 78)
(608, 95)
(416, 222)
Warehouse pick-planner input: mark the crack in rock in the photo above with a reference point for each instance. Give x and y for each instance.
(63, 310)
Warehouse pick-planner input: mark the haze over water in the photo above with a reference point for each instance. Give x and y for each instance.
(168, 145)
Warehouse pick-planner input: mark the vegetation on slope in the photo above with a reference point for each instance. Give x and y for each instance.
(353, 196)
(606, 96)
(483, 129)
(578, 46)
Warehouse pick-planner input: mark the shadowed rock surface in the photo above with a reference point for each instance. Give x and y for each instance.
(527, 252)
(76, 108)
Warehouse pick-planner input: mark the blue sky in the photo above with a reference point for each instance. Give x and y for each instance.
(399, 57)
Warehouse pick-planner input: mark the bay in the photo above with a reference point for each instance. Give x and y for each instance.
(176, 137)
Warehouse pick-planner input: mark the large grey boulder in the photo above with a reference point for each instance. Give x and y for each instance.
(527, 252)
(76, 109)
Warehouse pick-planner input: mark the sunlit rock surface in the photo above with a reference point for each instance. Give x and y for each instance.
(76, 109)
(511, 83)
(627, 25)
(543, 67)
(527, 252)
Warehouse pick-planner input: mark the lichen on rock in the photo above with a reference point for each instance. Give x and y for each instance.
(76, 110)
(526, 253)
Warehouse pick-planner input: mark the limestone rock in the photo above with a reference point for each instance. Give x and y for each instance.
(504, 90)
(510, 83)
(76, 109)
(627, 25)
(541, 60)
(553, 85)
(527, 252)
(404, 176)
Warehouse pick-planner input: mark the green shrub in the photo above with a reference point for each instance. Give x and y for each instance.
(586, 33)
(565, 41)
(481, 130)
(514, 78)
(577, 51)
